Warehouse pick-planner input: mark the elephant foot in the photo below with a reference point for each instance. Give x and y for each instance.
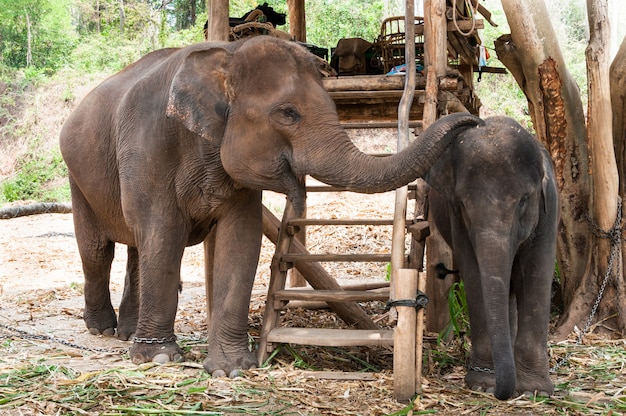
(158, 352)
(126, 329)
(534, 386)
(100, 322)
(219, 363)
(480, 379)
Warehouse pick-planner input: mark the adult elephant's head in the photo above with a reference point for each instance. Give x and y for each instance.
(263, 102)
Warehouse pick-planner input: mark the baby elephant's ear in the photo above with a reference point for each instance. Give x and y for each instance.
(198, 95)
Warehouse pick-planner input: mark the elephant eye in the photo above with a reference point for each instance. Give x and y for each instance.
(286, 114)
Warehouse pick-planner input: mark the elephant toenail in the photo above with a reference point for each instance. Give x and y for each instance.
(94, 331)
(235, 373)
(161, 358)
(218, 373)
(109, 332)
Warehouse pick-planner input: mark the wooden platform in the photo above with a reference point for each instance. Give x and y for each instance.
(371, 101)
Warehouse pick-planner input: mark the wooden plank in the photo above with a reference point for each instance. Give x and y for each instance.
(327, 188)
(340, 221)
(380, 124)
(372, 83)
(364, 83)
(333, 295)
(336, 375)
(331, 337)
(317, 277)
(318, 258)
(363, 96)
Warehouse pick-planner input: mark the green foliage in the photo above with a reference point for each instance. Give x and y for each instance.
(35, 33)
(36, 173)
(329, 20)
(459, 314)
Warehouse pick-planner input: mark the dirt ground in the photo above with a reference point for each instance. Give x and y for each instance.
(41, 295)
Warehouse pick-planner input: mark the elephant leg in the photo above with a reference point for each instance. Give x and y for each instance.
(532, 282)
(160, 248)
(129, 307)
(238, 244)
(96, 253)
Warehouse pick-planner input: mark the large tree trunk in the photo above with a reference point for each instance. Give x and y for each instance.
(533, 56)
(617, 77)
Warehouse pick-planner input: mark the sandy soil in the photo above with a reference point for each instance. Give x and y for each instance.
(41, 276)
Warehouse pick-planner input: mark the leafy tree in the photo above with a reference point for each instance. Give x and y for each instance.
(35, 33)
(330, 20)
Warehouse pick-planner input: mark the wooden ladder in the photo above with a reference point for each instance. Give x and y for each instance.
(291, 253)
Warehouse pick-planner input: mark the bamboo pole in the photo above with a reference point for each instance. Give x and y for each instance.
(399, 220)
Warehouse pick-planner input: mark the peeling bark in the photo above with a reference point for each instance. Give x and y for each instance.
(617, 76)
(586, 184)
(532, 54)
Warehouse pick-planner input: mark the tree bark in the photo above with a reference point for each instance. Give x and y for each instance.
(36, 208)
(617, 76)
(29, 37)
(533, 56)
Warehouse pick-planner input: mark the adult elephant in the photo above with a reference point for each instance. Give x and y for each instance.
(494, 200)
(184, 141)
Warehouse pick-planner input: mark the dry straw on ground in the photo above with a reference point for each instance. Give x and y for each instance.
(41, 293)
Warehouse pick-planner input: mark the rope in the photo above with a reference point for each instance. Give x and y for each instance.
(454, 17)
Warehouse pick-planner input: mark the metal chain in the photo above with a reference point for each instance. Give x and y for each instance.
(18, 333)
(615, 237)
(164, 340)
(483, 370)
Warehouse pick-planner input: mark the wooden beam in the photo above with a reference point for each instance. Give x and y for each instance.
(297, 19)
(331, 337)
(218, 28)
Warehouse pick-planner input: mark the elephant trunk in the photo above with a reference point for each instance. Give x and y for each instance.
(356, 171)
(495, 278)
(496, 295)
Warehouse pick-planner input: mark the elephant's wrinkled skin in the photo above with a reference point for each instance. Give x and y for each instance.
(183, 141)
(494, 199)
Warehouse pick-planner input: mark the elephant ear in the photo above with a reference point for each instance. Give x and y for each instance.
(440, 174)
(199, 93)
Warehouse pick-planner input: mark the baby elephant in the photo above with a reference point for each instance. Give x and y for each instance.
(494, 199)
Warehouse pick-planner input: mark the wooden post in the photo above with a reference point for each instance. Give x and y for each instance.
(297, 20)
(218, 29)
(419, 337)
(435, 40)
(297, 29)
(404, 110)
(404, 337)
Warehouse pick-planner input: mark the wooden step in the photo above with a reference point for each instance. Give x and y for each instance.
(358, 258)
(331, 337)
(342, 221)
(379, 124)
(327, 188)
(333, 295)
